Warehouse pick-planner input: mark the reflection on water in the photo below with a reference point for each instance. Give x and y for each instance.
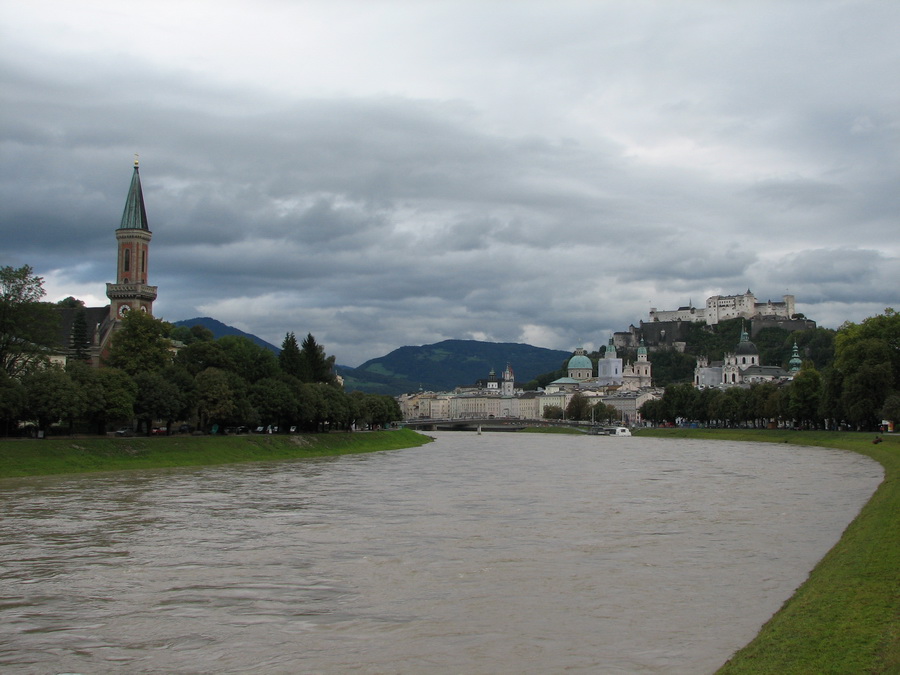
(499, 553)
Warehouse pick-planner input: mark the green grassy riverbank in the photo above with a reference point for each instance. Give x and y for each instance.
(80, 455)
(845, 619)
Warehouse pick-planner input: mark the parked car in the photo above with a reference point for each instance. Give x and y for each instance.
(125, 431)
(159, 431)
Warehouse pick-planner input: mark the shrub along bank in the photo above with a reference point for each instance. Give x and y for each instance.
(79, 455)
(846, 617)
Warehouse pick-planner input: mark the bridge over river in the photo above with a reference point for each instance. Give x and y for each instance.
(487, 424)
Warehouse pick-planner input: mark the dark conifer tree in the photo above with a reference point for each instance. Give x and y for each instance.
(316, 365)
(80, 340)
(289, 359)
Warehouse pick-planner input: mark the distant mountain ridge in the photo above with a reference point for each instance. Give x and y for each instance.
(219, 329)
(452, 363)
(442, 366)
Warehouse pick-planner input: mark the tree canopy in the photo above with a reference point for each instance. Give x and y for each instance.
(28, 326)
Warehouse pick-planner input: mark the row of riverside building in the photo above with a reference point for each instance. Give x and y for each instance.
(626, 387)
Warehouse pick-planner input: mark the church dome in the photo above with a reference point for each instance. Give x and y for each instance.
(745, 347)
(580, 362)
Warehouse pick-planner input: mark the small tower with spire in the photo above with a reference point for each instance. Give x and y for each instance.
(509, 381)
(796, 362)
(131, 292)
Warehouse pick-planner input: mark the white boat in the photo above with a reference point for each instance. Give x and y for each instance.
(618, 431)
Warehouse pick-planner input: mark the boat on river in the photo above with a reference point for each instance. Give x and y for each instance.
(611, 431)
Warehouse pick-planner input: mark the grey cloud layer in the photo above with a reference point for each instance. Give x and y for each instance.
(622, 159)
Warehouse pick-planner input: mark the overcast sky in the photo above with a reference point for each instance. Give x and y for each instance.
(382, 174)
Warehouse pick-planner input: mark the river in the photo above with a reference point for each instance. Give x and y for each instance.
(494, 553)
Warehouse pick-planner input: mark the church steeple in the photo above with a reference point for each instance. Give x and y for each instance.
(131, 292)
(135, 215)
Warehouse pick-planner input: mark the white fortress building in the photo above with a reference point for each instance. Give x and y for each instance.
(723, 307)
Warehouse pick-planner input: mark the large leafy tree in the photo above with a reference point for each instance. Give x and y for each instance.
(804, 397)
(200, 355)
(108, 394)
(375, 410)
(579, 407)
(554, 412)
(12, 401)
(830, 408)
(866, 363)
(157, 399)
(28, 326)
(891, 409)
(336, 412)
(275, 401)
(654, 411)
(883, 329)
(51, 396)
(223, 398)
(864, 393)
(250, 360)
(187, 392)
(765, 400)
(140, 344)
(605, 413)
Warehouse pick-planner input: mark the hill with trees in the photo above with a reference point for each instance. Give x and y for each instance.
(218, 329)
(446, 365)
(850, 378)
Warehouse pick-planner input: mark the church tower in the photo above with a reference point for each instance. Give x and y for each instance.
(643, 368)
(509, 381)
(131, 292)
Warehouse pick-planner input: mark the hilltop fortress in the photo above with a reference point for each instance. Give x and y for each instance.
(723, 307)
(669, 328)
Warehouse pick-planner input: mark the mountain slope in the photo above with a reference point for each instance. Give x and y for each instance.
(220, 329)
(436, 367)
(449, 364)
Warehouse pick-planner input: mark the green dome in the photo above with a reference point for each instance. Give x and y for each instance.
(580, 362)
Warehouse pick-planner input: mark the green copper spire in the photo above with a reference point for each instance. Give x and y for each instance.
(135, 216)
(796, 362)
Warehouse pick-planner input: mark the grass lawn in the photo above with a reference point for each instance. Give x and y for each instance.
(846, 617)
(78, 455)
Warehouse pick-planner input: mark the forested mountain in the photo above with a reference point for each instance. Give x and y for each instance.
(437, 367)
(452, 363)
(219, 329)
(449, 364)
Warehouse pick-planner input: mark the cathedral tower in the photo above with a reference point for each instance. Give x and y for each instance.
(131, 292)
(509, 381)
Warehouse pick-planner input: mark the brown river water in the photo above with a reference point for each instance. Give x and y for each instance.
(494, 553)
